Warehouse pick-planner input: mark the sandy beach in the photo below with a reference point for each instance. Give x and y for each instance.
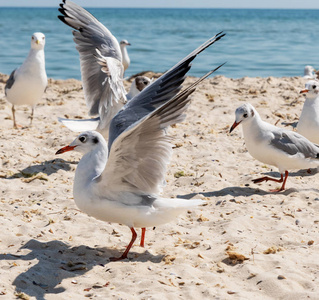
(246, 243)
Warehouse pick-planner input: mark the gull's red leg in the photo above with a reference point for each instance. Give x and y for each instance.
(266, 178)
(283, 184)
(124, 255)
(143, 237)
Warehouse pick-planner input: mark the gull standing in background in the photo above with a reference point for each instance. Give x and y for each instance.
(101, 68)
(125, 58)
(275, 146)
(120, 182)
(309, 72)
(27, 83)
(308, 124)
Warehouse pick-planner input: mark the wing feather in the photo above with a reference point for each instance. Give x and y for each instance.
(141, 153)
(103, 86)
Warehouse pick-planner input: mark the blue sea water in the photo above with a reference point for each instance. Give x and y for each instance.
(259, 42)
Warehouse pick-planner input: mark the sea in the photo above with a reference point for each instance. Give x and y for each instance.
(258, 42)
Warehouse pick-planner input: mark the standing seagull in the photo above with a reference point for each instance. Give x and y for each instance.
(309, 72)
(125, 58)
(275, 146)
(120, 182)
(27, 83)
(308, 124)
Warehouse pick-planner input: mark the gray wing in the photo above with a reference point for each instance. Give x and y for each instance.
(96, 46)
(9, 82)
(157, 93)
(294, 143)
(139, 156)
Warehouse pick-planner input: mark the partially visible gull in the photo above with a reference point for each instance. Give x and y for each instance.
(27, 83)
(120, 182)
(138, 84)
(309, 73)
(308, 124)
(125, 58)
(275, 146)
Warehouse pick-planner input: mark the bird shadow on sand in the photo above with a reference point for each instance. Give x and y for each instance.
(47, 167)
(236, 191)
(52, 262)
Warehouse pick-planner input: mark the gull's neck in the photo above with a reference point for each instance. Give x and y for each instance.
(90, 167)
(35, 61)
(312, 101)
(125, 57)
(133, 91)
(253, 127)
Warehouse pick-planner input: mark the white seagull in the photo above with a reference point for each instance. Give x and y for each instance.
(309, 72)
(27, 83)
(308, 124)
(125, 58)
(120, 182)
(101, 68)
(275, 146)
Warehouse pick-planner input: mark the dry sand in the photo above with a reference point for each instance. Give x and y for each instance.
(246, 243)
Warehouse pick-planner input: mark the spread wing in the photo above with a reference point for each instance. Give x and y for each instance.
(157, 93)
(100, 58)
(139, 156)
(294, 143)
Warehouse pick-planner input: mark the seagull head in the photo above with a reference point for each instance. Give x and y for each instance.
(311, 89)
(243, 113)
(124, 43)
(38, 41)
(141, 82)
(85, 143)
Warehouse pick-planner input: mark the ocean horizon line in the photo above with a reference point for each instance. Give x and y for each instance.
(170, 8)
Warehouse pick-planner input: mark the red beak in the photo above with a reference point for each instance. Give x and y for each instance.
(234, 126)
(304, 91)
(65, 149)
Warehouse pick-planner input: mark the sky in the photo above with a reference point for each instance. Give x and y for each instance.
(305, 4)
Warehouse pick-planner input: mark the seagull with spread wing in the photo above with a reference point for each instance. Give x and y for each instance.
(102, 68)
(120, 182)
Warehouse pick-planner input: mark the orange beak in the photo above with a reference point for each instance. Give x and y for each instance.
(234, 126)
(65, 149)
(304, 91)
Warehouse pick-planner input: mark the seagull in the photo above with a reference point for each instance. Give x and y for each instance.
(101, 68)
(121, 181)
(125, 58)
(138, 84)
(309, 72)
(308, 124)
(27, 83)
(275, 146)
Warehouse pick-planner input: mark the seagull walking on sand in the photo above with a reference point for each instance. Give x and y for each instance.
(120, 182)
(275, 146)
(125, 58)
(27, 83)
(101, 68)
(308, 124)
